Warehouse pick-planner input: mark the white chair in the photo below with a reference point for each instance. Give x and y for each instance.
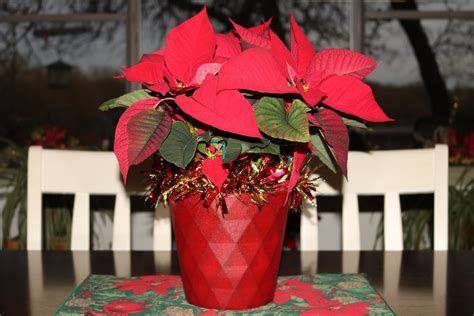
(83, 173)
(389, 173)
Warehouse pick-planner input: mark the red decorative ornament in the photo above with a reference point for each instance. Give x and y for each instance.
(229, 261)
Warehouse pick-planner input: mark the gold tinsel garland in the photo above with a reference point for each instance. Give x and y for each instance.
(257, 176)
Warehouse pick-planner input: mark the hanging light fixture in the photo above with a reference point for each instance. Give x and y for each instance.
(59, 74)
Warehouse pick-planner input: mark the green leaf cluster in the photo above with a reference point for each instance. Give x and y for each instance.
(180, 146)
(282, 123)
(275, 120)
(290, 123)
(126, 100)
(236, 147)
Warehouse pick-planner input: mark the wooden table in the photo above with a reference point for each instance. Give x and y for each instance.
(414, 283)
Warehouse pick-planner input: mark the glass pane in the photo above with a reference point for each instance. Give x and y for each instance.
(399, 85)
(325, 23)
(56, 75)
(423, 5)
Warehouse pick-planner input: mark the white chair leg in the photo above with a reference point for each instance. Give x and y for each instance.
(350, 261)
(392, 261)
(162, 262)
(35, 281)
(82, 266)
(309, 262)
(440, 272)
(162, 240)
(123, 265)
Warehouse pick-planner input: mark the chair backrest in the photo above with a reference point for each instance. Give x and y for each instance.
(83, 173)
(388, 173)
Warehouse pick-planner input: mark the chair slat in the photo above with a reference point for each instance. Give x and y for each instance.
(122, 222)
(393, 233)
(309, 228)
(350, 222)
(80, 230)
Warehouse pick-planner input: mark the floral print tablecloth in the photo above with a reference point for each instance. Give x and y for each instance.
(318, 294)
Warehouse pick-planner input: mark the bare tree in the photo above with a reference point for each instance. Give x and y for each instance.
(433, 81)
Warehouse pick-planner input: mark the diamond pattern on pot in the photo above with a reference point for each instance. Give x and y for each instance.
(230, 261)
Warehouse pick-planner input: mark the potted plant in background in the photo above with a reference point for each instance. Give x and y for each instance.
(13, 178)
(231, 121)
(13, 164)
(418, 219)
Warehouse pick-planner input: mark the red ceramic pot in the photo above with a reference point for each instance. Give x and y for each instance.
(230, 261)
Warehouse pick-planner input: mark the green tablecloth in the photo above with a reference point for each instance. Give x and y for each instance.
(319, 294)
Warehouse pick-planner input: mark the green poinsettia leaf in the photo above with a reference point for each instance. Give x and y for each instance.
(146, 131)
(201, 147)
(125, 100)
(322, 151)
(204, 137)
(306, 107)
(261, 143)
(235, 147)
(180, 145)
(266, 146)
(233, 150)
(275, 121)
(107, 105)
(354, 123)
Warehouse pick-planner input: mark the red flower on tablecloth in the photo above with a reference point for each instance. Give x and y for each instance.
(295, 288)
(85, 294)
(353, 309)
(209, 313)
(155, 283)
(123, 307)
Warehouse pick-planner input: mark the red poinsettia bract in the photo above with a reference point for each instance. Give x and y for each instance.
(243, 92)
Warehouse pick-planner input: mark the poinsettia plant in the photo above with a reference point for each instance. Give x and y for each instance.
(240, 112)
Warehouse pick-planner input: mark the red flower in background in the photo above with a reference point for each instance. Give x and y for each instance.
(155, 283)
(461, 146)
(123, 307)
(468, 144)
(49, 137)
